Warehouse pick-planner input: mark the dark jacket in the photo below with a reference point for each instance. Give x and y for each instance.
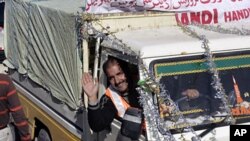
(102, 114)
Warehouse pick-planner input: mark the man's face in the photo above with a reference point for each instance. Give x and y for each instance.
(117, 78)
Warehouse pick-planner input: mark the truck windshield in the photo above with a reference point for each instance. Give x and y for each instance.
(193, 88)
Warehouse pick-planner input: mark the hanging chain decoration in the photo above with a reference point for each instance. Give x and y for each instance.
(156, 123)
(151, 114)
(151, 111)
(79, 31)
(216, 84)
(151, 85)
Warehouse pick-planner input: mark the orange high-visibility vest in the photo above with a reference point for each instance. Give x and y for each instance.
(120, 104)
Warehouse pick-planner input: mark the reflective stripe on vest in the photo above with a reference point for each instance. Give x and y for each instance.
(120, 104)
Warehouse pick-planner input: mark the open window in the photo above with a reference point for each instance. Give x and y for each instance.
(179, 74)
(132, 74)
(130, 69)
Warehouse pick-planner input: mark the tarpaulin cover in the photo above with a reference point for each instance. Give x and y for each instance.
(41, 41)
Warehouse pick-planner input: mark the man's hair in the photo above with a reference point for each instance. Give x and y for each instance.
(124, 66)
(133, 95)
(111, 62)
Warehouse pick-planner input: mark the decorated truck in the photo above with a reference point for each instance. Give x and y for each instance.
(180, 47)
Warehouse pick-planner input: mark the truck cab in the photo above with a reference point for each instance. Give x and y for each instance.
(178, 59)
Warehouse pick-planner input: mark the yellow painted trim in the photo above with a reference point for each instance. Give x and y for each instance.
(57, 131)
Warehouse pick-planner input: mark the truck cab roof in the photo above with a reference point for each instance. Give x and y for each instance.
(158, 42)
(158, 34)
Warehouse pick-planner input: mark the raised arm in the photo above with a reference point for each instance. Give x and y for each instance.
(90, 87)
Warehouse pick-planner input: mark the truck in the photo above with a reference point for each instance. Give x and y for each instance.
(49, 44)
